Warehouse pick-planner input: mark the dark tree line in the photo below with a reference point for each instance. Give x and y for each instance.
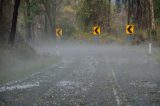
(14, 22)
(95, 12)
(33, 8)
(139, 12)
(1, 14)
(143, 13)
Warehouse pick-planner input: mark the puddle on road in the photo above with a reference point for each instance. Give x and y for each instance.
(68, 84)
(72, 85)
(146, 84)
(68, 90)
(19, 86)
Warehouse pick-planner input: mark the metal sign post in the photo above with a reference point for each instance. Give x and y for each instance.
(96, 32)
(150, 42)
(58, 38)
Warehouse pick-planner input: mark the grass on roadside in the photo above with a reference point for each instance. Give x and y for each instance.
(26, 69)
(157, 56)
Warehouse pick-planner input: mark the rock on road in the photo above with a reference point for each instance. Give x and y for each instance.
(90, 76)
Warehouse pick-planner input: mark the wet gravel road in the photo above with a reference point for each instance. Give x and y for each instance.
(105, 76)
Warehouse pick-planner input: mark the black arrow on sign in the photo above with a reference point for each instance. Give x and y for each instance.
(129, 29)
(96, 30)
(58, 32)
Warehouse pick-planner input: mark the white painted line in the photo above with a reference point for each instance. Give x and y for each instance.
(16, 87)
(115, 91)
(150, 48)
(116, 96)
(114, 77)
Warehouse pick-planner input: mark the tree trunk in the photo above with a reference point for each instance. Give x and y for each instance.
(1, 16)
(52, 23)
(109, 13)
(46, 6)
(152, 15)
(29, 24)
(46, 25)
(14, 22)
(129, 11)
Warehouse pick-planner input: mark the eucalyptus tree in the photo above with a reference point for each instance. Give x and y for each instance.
(14, 22)
(1, 15)
(94, 12)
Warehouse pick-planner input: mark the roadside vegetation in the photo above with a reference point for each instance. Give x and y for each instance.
(21, 61)
(23, 23)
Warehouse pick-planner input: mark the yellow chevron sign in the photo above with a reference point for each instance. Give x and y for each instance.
(59, 32)
(130, 29)
(96, 30)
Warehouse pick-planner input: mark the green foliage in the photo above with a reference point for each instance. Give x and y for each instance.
(153, 32)
(90, 11)
(34, 8)
(157, 10)
(84, 12)
(67, 2)
(68, 29)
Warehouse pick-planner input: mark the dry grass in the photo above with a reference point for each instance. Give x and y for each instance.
(20, 61)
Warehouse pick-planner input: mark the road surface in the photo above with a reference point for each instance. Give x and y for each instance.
(90, 76)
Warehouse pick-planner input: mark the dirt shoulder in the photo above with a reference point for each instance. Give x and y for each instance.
(20, 61)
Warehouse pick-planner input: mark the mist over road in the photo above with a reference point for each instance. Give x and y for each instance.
(90, 75)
